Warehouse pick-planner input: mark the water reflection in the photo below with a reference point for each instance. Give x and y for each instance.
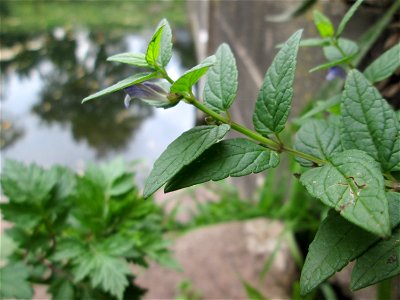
(45, 78)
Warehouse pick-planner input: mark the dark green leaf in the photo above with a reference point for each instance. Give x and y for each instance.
(252, 292)
(135, 59)
(165, 44)
(25, 215)
(384, 66)
(189, 78)
(235, 157)
(27, 184)
(14, 283)
(368, 122)
(331, 64)
(61, 289)
(276, 93)
(131, 80)
(181, 152)
(380, 262)
(153, 49)
(347, 17)
(352, 184)
(338, 242)
(323, 24)
(349, 49)
(221, 83)
(318, 138)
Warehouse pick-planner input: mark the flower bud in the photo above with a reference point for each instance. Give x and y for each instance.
(153, 93)
(335, 72)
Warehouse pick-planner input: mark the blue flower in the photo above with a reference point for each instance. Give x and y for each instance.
(335, 72)
(153, 93)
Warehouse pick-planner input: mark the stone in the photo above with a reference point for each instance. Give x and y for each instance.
(215, 259)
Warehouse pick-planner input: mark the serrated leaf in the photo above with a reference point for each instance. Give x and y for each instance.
(153, 49)
(165, 44)
(380, 262)
(181, 152)
(25, 215)
(27, 184)
(235, 157)
(323, 24)
(222, 80)
(348, 47)
(384, 66)
(135, 59)
(61, 289)
(131, 80)
(106, 272)
(318, 138)
(346, 18)
(275, 97)
(368, 122)
(338, 242)
(352, 184)
(14, 282)
(189, 78)
(331, 64)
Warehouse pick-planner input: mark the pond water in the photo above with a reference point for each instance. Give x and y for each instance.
(45, 77)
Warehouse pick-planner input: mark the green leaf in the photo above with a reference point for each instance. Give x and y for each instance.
(384, 66)
(348, 47)
(24, 215)
(338, 242)
(27, 184)
(189, 78)
(252, 292)
(347, 17)
(131, 80)
(314, 42)
(352, 184)
(331, 64)
(222, 81)
(235, 157)
(318, 138)
(61, 289)
(14, 282)
(165, 44)
(368, 122)
(323, 24)
(107, 272)
(181, 152)
(276, 93)
(321, 106)
(135, 59)
(380, 262)
(153, 49)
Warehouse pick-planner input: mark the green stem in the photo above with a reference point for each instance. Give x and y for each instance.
(252, 134)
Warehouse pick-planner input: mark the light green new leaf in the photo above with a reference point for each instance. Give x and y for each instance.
(14, 282)
(29, 184)
(348, 47)
(153, 49)
(347, 17)
(275, 97)
(181, 152)
(384, 66)
(235, 157)
(338, 242)
(165, 44)
(323, 24)
(221, 83)
(106, 272)
(189, 78)
(131, 80)
(380, 262)
(135, 59)
(352, 184)
(318, 138)
(368, 122)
